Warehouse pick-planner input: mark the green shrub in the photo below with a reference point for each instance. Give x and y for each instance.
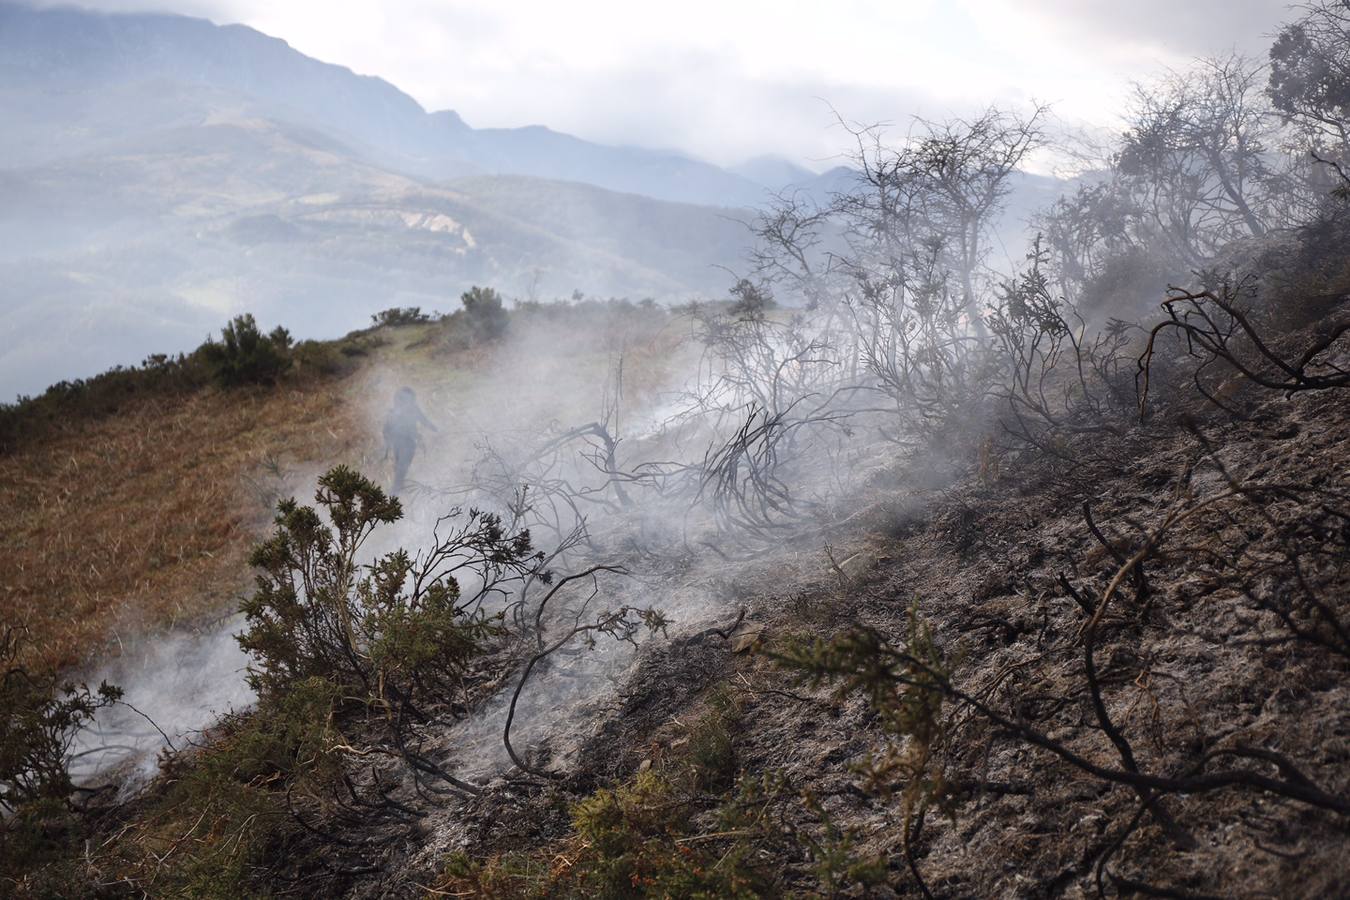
(906, 685)
(750, 301)
(512, 876)
(640, 838)
(228, 815)
(839, 863)
(244, 355)
(634, 848)
(400, 315)
(321, 358)
(36, 846)
(1129, 284)
(388, 629)
(39, 720)
(688, 828)
(105, 394)
(487, 317)
(711, 752)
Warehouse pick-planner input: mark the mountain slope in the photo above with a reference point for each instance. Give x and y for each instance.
(160, 173)
(107, 71)
(773, 172)
(150, 248)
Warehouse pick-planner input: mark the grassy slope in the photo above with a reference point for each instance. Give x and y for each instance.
(145, 518)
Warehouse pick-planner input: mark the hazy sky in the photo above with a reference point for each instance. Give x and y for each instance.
(728, 79)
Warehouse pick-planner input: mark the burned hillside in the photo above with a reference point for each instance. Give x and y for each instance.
(888, 573)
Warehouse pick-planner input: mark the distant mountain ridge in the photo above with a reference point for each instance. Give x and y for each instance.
(52, 51)
(160, 173)
(107, 258)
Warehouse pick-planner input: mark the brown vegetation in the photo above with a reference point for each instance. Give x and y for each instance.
(145, 519)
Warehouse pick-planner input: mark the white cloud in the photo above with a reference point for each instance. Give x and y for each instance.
(730, 78)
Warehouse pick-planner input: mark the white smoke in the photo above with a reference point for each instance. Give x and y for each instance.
(175, 686)
(633, 371)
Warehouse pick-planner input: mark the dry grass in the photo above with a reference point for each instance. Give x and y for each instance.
(146, 519)
(120, 526)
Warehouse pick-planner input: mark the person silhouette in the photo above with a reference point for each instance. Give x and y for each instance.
(401, 434)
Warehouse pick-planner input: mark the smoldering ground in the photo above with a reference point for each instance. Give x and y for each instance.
(176, 686)
(590, 424)
(594, 427)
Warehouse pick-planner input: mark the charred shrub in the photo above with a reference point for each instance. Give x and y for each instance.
(1059, 377)
(1225, 341)
(244, 355)
(917, 349)
(750, 301)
